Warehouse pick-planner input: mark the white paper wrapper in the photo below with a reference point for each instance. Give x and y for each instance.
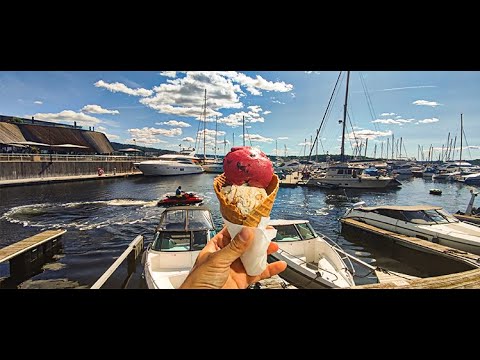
(255, 258)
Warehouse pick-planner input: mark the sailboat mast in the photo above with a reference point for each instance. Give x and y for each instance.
(276, 148)
(205, 126)
(216, 131)
(342, 153)
(243, 121)
(461, 137)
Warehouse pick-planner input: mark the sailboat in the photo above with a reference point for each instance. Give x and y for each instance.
(344, 175)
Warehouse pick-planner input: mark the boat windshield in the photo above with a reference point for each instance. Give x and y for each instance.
(287, 233)
(291, 232)
(180, 241)
(306, 231)
(185, 220)
(425, 217)
(199, 220)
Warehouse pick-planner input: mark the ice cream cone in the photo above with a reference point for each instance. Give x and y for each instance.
(232, 214)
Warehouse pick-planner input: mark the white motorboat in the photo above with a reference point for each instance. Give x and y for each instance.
(312, 261)
(171, 164)
(182, 233)
(425, 222)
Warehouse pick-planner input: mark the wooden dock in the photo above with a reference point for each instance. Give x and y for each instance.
(435, 258)
(28, 254)
(464, 280)
(291, 180)
(385, 276)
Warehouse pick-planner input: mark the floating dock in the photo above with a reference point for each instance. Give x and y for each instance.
(27, 255)
(432, 258)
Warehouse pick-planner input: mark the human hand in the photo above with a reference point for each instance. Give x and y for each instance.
(218, 265)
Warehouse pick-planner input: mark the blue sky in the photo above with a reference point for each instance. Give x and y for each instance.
(164, 109)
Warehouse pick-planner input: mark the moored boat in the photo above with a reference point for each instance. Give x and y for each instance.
(425, 222)
(183, 231)
(311, 261)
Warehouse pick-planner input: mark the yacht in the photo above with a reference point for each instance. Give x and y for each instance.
(184, 163)
(425, 222)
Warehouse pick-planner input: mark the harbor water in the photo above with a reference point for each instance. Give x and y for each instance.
(102, 217)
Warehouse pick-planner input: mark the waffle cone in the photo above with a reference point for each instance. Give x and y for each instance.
(232, 214)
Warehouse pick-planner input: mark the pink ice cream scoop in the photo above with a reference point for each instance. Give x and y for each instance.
(247, 165)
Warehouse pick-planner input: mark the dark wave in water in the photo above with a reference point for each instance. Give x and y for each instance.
(103, 217)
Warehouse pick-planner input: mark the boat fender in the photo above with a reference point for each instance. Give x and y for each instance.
(359, 179)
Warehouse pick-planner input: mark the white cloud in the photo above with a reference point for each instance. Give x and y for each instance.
(428, 121)
(188, 93)
(387, 114)
(174, 123)
(97, 109)
(146, 141)
(254, 84)
(282, 138)
(293, 95)
(278, 102)
(368, 134)
(393, 121)
(67, 116)
(308, 143)
(209, 132)
(426, 103)
(119, 87)
(313, 72)
(398, 117)
(258, 138)
(236, 119)
(171, 74)
(267, 112)
(188, 139)
(185, 96)
(196, 112)
(112, 137)
(38, 102)
(148, 135)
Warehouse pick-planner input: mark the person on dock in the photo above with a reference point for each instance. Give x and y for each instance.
(218, 265)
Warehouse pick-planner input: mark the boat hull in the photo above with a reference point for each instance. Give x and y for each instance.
(168, 170)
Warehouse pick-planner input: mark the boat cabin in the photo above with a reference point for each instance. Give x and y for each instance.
(184, 228)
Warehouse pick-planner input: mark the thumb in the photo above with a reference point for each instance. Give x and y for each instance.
(237, 246)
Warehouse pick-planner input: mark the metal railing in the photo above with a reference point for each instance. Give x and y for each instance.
(65, 157)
